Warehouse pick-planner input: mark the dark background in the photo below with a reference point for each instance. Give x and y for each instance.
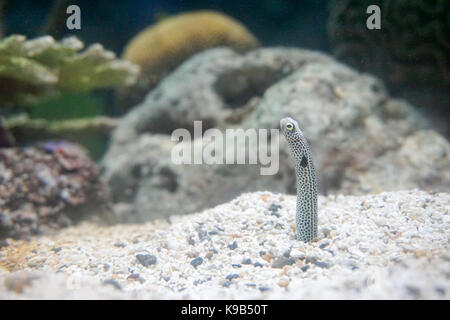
(299, 23)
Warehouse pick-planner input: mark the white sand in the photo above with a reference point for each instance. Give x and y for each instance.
(388, 246)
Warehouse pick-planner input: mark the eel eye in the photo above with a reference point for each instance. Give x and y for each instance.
(289, 126)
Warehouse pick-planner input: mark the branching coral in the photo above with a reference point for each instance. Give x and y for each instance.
(160, 48)
(33, 69)
(30, 69)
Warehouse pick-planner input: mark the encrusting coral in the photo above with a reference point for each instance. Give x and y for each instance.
(160, 48)
(30, 69)
(48, 187)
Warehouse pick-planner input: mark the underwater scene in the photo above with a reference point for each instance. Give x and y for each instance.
(271, 149)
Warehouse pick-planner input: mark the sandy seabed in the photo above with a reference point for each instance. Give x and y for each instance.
(393, 245)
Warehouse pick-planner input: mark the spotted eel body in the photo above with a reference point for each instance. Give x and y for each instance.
(306, 216)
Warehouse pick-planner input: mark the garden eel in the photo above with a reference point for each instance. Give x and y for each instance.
(306, 215)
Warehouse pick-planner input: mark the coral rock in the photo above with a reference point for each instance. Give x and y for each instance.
(362, 139)
(46, 188)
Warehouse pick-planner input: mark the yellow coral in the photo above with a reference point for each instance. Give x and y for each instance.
(180, 36)
(161, 47)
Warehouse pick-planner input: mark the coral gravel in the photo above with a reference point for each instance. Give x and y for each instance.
(392, 245)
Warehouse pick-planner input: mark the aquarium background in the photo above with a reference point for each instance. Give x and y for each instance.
(414, 32)
(94, 205)
(274, 22)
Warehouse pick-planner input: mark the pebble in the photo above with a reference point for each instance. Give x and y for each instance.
(305, 267)
(210, 254)
(18, 282)
(246, 261)
(200, 281)
(146, 259)
(282, 261)
(440, 290)
(113, 283)
(414, 291)
(219, 228)
(136, 277)
(120, 244)
(232, 276)
(274, 207)
(267, 257)
(274, 210)
(196, 262)
(233, 245)
(323, 245)
(284, 283)
(321, 264)
(276, 214)
(191, 240)
(34, 265)
(4, 243)
(311, 259)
